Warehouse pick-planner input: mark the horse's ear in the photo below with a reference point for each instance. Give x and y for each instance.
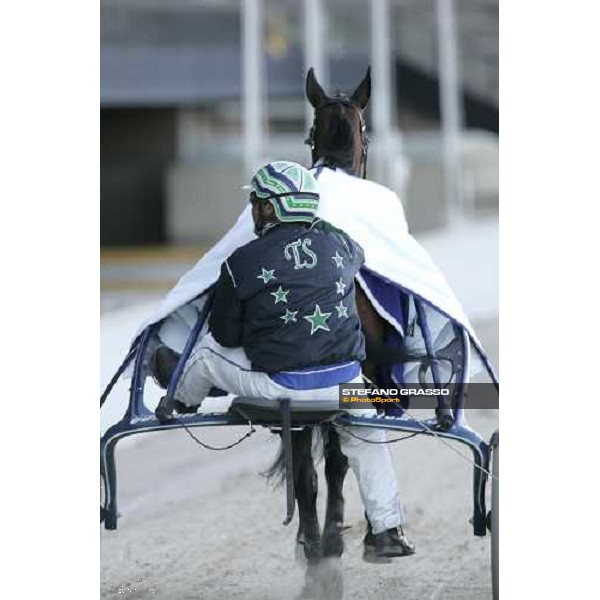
(314, 92)
(362, 93)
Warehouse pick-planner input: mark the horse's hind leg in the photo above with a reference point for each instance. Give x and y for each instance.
(305, 485)
(336, 467)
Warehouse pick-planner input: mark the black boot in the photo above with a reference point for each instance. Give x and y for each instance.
(369, 546)
(162, 365)
(383, 546)
(392, 543)
(164, 410)
(167, 406)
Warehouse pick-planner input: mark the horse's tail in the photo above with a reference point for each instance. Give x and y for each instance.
(275, 474)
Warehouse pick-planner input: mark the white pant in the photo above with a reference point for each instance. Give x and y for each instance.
(212, 365)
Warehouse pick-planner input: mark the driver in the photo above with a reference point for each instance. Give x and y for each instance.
(284, 323)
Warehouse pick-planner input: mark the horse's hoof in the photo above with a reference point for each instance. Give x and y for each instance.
(312, 585)
(299, 555)
(332, 579)
(323, 581)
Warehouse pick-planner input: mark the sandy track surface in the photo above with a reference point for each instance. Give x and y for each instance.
(201, 525)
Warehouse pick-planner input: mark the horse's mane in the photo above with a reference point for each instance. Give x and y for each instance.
(336, 136)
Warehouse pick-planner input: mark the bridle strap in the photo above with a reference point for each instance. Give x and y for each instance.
(310, 140)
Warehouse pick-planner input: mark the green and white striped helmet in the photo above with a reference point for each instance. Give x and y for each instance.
(290, 188)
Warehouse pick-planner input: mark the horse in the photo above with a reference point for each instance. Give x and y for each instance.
(337, 139)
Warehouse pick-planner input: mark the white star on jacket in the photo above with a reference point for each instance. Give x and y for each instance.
(342, 311)
(340, 286)
(266, 276)
(338, 260)
(289, 316)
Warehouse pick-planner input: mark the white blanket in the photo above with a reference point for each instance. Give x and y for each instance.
(368, 212)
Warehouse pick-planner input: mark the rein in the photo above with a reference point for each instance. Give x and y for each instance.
(202, 444)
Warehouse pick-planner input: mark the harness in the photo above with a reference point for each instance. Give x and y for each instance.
(345, 100)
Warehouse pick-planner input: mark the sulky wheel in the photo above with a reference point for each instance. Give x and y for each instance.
(103, 510)
(494, 517)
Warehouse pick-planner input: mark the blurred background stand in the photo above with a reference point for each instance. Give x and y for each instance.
(196, 93)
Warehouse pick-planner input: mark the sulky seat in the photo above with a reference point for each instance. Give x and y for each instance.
(265, 411)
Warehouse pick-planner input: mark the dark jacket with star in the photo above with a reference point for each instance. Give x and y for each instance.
(288, 299)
